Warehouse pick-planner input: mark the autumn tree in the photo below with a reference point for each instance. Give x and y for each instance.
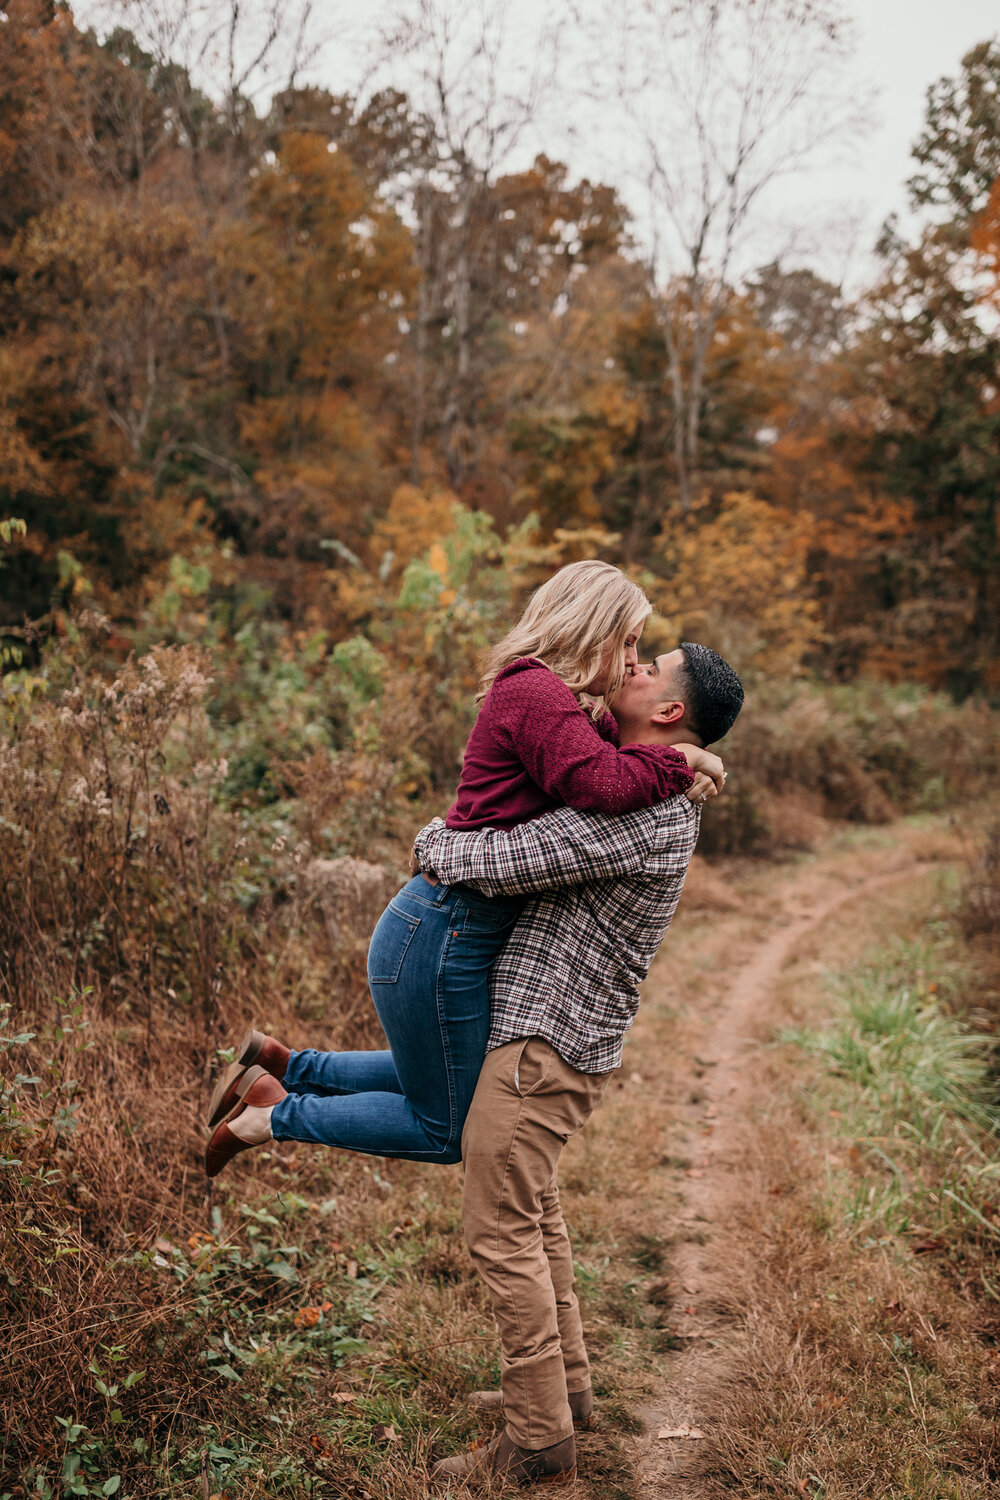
(927, 369)
(479, 82)
(720, 101)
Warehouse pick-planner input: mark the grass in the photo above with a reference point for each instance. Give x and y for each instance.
(311, 1326)
(921, 1113)
(868, 1363)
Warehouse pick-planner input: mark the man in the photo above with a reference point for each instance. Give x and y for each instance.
(562, 995)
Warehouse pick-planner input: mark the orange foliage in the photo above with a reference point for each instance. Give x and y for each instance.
(739, 579)
(414, 522)
(985, 241)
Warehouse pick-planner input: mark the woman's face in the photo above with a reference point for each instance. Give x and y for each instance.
(599, 682)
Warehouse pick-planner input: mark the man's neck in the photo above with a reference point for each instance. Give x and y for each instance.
(653, 734)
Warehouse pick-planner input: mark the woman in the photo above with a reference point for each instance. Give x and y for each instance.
(534, 746)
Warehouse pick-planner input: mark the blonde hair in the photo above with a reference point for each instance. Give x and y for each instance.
(569, 623)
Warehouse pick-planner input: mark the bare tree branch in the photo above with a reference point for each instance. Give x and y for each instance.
(718, 99)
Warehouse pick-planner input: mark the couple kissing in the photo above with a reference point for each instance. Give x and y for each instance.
(505, 974)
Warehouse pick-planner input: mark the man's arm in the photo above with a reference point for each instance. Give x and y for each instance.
(563, 847)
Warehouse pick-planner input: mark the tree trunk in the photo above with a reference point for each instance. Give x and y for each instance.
(675, 365)
(423, 318)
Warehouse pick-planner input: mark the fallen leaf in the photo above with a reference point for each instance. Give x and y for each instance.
(307, 1317)
(319, 1444)
(680, 1432)
(927, 1247)
(352, 1269)
(341, 1398)
(384, 1434)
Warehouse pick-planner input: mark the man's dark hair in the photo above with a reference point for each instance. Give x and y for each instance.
(713, 694)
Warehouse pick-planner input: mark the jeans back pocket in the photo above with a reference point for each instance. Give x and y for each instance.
(392, 936)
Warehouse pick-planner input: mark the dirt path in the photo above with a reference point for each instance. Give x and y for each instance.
(714, 1088)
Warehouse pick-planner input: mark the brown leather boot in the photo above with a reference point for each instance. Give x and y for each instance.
(266, 1051)
(253, 1086)
(581, 1404)
(255, 1048)
(503, 1459)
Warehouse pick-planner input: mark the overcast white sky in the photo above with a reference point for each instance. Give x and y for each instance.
(829, 218)
(903, 46)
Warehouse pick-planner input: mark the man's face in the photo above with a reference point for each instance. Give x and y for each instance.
(649, 687)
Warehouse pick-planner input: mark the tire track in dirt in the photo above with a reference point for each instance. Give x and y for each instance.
(722, 1080)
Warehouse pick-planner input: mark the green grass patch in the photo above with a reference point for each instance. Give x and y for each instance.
(912, 1087)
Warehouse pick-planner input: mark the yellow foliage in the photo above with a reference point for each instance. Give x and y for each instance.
(416, 521)
(739, 584)
(438, 559)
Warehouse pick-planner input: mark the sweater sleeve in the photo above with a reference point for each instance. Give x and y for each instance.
(542, 724)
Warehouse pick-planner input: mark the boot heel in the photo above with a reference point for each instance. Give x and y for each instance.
(250, 1048)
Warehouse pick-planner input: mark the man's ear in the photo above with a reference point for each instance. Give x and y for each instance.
(669, 713)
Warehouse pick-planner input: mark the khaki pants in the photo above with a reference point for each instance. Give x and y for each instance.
(527, 1104)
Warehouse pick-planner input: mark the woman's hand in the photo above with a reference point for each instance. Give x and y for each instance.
(710, 773)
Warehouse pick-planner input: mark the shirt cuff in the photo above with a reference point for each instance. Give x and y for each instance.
(424, 842)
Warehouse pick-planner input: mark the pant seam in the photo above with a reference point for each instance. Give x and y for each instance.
(496, 1248)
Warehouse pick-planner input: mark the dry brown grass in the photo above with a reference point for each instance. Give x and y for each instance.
(859, 1349)
(859, 1371)
(160, 1328)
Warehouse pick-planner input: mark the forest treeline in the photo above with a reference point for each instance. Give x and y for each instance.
(255, 365)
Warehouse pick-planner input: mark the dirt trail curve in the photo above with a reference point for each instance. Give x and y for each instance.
(720, 1084)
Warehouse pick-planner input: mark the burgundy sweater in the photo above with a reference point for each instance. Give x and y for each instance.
(533, 748)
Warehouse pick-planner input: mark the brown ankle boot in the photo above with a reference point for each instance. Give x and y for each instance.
(503, 1459)
(252, 1087)
(266, 1051)
(255, 1049)
(581, 1404)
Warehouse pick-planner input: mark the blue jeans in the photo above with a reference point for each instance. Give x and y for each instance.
(428, 970)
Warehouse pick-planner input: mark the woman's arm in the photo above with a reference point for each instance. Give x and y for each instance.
(559, 746)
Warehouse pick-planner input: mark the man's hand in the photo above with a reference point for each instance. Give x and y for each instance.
(710, 773)
(415, 861)
(702, 789)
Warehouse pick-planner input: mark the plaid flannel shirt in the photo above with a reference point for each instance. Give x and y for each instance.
(603, 890)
